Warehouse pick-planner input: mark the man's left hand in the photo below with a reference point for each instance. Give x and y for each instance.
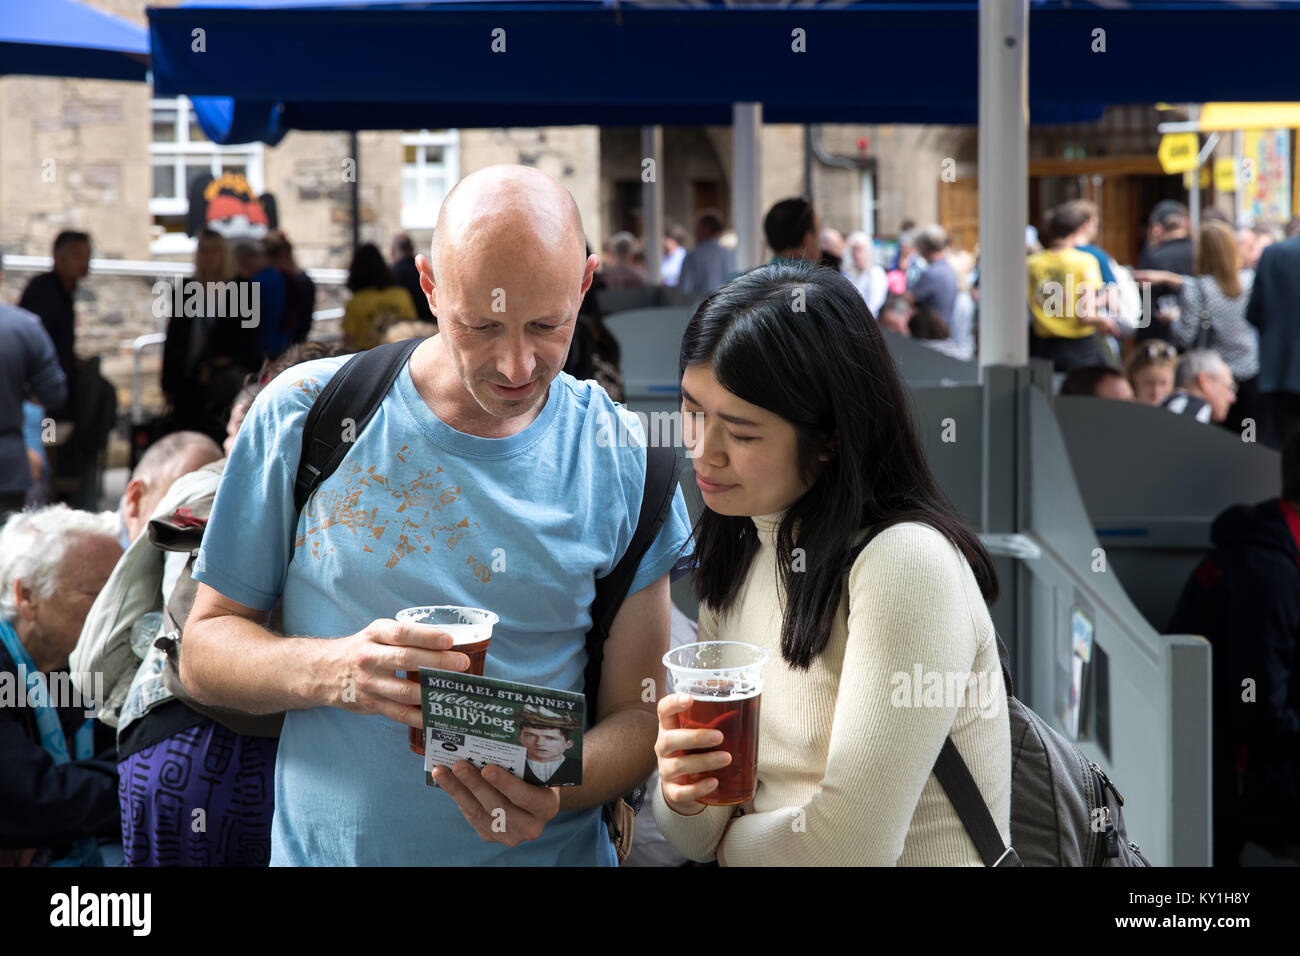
(497, 804)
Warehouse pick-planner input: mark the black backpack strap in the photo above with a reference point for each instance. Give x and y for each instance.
(954, 776)
(657, 496)
(355, 391)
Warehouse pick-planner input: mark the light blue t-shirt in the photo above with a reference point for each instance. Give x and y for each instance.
(419, 513)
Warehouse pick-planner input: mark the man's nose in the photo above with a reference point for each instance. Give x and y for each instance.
(519, 361)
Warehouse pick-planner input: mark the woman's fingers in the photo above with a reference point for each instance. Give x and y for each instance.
(675, 768)
(671, 742)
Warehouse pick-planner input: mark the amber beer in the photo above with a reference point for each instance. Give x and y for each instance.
(725, 682)
(736, 716)
(471, 633)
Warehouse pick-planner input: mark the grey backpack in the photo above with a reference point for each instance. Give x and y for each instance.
(1064, 809)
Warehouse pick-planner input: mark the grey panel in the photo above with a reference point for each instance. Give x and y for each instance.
(923, 367)
(650, 341)
(1153, 483)
(956, 464)
(1153, 703)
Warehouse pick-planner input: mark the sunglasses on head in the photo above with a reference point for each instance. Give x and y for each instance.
(1159, 350)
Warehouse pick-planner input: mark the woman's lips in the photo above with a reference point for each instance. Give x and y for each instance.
(711, 487)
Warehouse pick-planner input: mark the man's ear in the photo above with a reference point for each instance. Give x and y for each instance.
(23, 601)
(131, 498)
(425, 269)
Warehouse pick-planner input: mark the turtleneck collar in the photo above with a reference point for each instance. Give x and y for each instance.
(767, 525)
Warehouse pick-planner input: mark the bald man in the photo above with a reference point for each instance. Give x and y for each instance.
(483, 481)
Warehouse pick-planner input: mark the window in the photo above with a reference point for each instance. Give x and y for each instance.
(430, 167)
(179, 153)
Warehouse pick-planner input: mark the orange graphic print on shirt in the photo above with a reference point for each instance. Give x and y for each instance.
(389, 515)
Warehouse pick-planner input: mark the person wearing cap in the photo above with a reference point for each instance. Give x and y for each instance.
(547, 735)
(1169, 249)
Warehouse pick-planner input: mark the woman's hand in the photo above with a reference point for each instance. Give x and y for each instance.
(683, 776)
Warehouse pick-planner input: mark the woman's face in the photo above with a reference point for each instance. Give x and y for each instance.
(746, 458)
(1153, 384)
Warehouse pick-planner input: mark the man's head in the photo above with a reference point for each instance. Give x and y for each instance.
(674, 239)
(1100, 381)
(792, 228)
(507, 272)
(71, 256)
(1064, 225)
(931, 241)
(53, 563)
(896, 315)
(1203, 373)
(166, 460)
(403, 248)
(544, 743)
(249, 256)
(1085, 213)
(708, 225)
(1168, 221)
(621, 246)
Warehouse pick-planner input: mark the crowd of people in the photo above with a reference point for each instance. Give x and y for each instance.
(485, 445)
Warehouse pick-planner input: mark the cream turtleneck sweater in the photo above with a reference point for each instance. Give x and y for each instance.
(846, 749)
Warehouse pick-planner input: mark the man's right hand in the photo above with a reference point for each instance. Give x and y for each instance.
(366, 664)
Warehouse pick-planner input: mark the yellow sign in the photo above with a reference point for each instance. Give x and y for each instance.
(1177, 152)
(1225, 174)
(1205, 178)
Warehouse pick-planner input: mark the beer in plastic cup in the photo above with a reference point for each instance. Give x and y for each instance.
(471, 630)
(725, 681)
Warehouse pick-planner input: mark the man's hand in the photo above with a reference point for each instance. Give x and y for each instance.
(366, 663)
(498, 805)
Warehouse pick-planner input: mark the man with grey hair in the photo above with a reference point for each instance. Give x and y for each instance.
(1203, 387)
(58, 768)
(936, 288)
(165, 460)
(621, 272)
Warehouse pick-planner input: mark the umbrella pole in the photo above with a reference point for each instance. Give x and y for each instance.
(1003, 173)
(746, 182)
(356, 192)
(652, 201)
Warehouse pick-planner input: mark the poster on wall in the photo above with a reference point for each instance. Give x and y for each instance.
(1264, 193)
(228, 205)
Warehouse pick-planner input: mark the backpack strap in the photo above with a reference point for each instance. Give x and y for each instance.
(955, 778)
(354, 392)
(657, 496)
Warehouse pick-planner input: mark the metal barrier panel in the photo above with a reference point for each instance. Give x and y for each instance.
(1129, 459)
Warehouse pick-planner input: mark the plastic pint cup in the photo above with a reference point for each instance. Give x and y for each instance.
(471, 630)
(725, 681)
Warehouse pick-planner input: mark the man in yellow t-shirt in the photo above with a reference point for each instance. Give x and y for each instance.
(1064, 283)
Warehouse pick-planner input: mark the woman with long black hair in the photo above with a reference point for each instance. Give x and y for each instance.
(827, 541)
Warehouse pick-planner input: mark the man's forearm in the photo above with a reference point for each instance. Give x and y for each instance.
(232, 662)
(617, 757)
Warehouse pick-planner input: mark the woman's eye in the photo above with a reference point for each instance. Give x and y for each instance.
(743, 437)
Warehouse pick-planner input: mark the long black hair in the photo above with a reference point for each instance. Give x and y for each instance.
(369, 270)
(797, 339)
